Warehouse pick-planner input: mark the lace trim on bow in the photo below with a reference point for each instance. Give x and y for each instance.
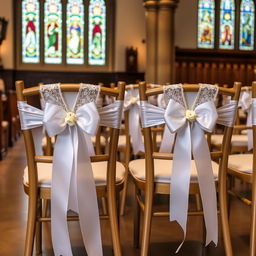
(87, 93)
(207, 92)
(174, 92)
(51, 93)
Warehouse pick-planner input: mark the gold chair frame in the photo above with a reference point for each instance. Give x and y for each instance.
(150, 187)
(37, 194)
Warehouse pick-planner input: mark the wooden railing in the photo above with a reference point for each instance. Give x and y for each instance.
(215, 66)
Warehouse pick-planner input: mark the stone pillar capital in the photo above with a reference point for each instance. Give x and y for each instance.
(168, 3)
(150, 4)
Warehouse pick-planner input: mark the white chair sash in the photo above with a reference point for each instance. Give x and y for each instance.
(245, 102)
(253, 111)
(73, 185)
(131, 103)
(189, 126)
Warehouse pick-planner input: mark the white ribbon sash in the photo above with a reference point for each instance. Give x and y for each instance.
(131, 103)
(245, 102)
(73, 185)
(191, 138)
(253, 111)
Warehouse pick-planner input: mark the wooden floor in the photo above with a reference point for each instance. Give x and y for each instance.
(165, 236)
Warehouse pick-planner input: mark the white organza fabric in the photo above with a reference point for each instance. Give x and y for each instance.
(253, 111)
(73, 185)
(189, 123)
(245, 102)
(131, 103)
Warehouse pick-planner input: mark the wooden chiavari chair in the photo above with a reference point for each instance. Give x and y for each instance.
(13, 117)
(239, 140)
(152, 175)
(107, 172)
(243, 167)
(4, 130)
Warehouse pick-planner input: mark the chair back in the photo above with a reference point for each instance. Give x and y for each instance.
(70, 93)
(190, 113)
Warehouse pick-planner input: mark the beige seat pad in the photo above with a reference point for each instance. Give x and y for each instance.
(236, 140)
(163, 170)
(99, 172)
(241, 162)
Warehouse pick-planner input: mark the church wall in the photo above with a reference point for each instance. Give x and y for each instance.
(130, 31)
(186, 24)
(6, 11)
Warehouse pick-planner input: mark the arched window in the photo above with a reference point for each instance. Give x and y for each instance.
(227, 24)
(247, 16)
(53, 31)
(30, 31)
(206, 20)
(97, 32)
(77, 33)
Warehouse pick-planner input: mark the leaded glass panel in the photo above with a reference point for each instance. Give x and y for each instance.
(97, 33)
(206, 13)
(53, 31)
(227, 24)
(30, 31)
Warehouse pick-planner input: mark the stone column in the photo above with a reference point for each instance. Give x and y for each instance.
(151, 40)
(165, 41)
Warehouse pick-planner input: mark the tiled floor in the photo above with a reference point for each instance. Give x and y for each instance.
(165, 236)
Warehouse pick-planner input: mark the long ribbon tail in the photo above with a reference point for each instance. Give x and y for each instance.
(87, 198)
(167, 141)
(135, 130)
(62, 168)
(249, 131)
(203, 163)
(38, 137)
(180, 179)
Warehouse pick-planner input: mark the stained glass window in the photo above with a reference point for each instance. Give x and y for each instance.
(75, 32)
(52, 31)
(247, 17)
(206, 13)
(97, 33)
(30, 31)
(227, 24)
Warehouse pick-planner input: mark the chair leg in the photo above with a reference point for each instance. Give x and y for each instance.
(198, 202)
(31, 226)
(147, 220)
(253, 219)
(224, 212)
(104, 205)
(45, 207)
(113, 218)
(136, 221)
(39, 230)
(124, 193)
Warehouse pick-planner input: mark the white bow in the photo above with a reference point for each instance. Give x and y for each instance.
(189, 125)
(245, 102)
(72, 176)
(132, 103)
(73, 185)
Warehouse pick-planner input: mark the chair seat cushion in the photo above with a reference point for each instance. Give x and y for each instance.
(99, 172)
(102, 140)
(241, 162)
(122, 140)
(44, 141)
(236, 140)
(163, 170)
(5, 124)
